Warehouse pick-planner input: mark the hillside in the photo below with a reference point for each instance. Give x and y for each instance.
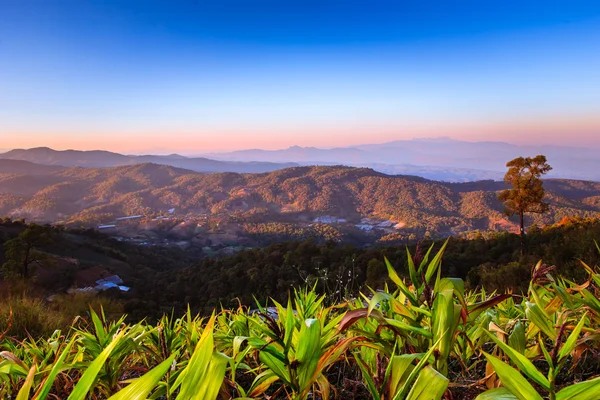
(333, 196)
(25, 167)
(134, 343)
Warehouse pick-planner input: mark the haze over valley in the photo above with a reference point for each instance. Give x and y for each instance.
(442, 159)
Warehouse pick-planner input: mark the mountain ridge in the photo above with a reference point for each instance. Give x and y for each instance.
(470, 160)
(294, 195)
(103, 158)
(444, 159)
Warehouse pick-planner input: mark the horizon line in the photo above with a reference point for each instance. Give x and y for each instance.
(198, 152)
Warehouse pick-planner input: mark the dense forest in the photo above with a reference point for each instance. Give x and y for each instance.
(166, 279)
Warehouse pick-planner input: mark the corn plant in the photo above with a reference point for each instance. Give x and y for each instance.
(298, 346)
(514, 384)
(428, 311)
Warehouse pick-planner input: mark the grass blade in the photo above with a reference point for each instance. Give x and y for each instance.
(429, 385)
(587, 390)
(513, 380)
(522, 362)
(571, 340)
(88, 378)
(141, 387)
(24, 392)
(56, 368)
(500, 393)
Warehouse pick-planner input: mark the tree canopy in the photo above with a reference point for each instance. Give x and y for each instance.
(527, 192)
(21, 253)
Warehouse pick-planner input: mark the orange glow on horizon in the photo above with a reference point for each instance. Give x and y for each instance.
(581, 131)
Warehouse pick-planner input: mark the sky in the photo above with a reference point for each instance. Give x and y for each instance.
(194, 76)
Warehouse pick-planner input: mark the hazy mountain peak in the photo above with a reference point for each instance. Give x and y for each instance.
(102, 158)
(438, 139)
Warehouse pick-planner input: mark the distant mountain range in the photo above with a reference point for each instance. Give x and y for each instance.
(98, 158)
(438, 158)
(96, 195)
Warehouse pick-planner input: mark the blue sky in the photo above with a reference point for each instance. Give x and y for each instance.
(204, 76)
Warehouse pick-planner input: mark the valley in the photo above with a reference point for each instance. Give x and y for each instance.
(152, 204)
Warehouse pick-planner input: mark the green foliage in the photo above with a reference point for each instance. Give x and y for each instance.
(406, 343)
(22, 253)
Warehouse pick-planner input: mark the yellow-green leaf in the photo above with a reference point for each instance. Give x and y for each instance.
(26, 388)
(539, 318)
(430, 385)
(141, 387)
(86, 382)
(587, 390)
(522, 363)
(500, 393)
(512, 380)
(571, 340)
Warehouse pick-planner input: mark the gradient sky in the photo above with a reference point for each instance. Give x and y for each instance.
(195, 76)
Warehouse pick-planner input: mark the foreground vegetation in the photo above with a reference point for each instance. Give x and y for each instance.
(166, 280)
(425, 337)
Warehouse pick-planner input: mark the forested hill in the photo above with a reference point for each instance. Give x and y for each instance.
(93, 195)
(166, 278)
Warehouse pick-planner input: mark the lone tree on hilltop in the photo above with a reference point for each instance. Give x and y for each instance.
(21, 253)
(527, 192)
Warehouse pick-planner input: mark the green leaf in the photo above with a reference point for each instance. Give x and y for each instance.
(205, 371)
(377, 298)
(522, 363)
(262, 382)
(403, 326)
(26, 388)
(425, 259)
(290, 323)
(86, 382)
(411, 269)
(210, 384)
(571, 340)
(542, 347)
(398, 281)
(308, 351)
(435, 263)
(429, 385)
(15, 363)
(56, 368)
(513, 380)
(141, 387)
(517, 339)
(403, 392)
(587, 390)
(474, 310)
(275, 365)
(539, 318)
(500, 393)
(443, 322)
(98, 326)
(370, 383)
(400, 368)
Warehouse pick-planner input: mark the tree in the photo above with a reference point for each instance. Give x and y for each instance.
(527, 192)
(376, 272)
(21, 253)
